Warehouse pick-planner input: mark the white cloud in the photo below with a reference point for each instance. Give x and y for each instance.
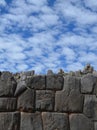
(88, 57)
(92, 4)
(37, 2)
(74, 13)
(74, 66)
(22, 67)
(36, 36)
(2, 3)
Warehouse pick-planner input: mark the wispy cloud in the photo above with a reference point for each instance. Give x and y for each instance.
(47, 34)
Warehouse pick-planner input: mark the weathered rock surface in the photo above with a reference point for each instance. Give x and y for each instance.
(66, 101)
(55, 121)
(38, 82)
(54, 82)
(31, 121)
(71, 83)
(87, 83)
(7, 84)
(23, 82)
(9, 121)
(21, 87)
(26, 101)
(45, 100)
(80, 122)
(90, 106)
(8, 104)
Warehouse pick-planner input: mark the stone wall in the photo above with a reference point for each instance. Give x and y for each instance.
(48, 102)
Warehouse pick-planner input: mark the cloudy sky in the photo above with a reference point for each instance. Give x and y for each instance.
(47, 34)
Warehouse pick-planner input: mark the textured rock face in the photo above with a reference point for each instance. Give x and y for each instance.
(69, 99)
(45, 100)
(71, 83)
(90, 106)
(26, 101)
(9, 121)
(55, 121)
(8, 104)
(54, 82)
(80, 122)
(48, 102)
(69, 102)
(31, 121)
(87, 83)
(7, 84)
(38, 82)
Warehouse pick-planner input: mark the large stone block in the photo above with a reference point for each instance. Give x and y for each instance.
(55, 121)
(31, 121)
(87, 83)
(54, 82)
(71, 83)
(26, 101)
(90, 106)
(45, 100)
(38, 82)
(7, 84)
(66, 101)
(8, 104)
(23, 82)
(80, 122)
(9, 121)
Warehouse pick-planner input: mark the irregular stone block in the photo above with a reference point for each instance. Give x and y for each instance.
(66, 101)
(31, 121)
(8, 104)
(90, 106)
(71, 82)
(87, 83)
(26, 101)
(80, 122)
(9, 121)
(55, 121)
(6, 75)
(54, 82)
(7, 84)
(38, 82)
(45, 100)
(23, 82)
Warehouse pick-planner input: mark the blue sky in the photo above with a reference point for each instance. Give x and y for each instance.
(47, 34)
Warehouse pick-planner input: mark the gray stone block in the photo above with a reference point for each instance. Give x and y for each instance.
(90, 106)
(31, 121)
(8, 104)
(66, 101)
(55, 121)
(87, 83)
(9, 121)
(38, 82)
(80, 122)
(7, 85)
(54, 82)
(45, 100)
(71, 82)
(26, 101)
